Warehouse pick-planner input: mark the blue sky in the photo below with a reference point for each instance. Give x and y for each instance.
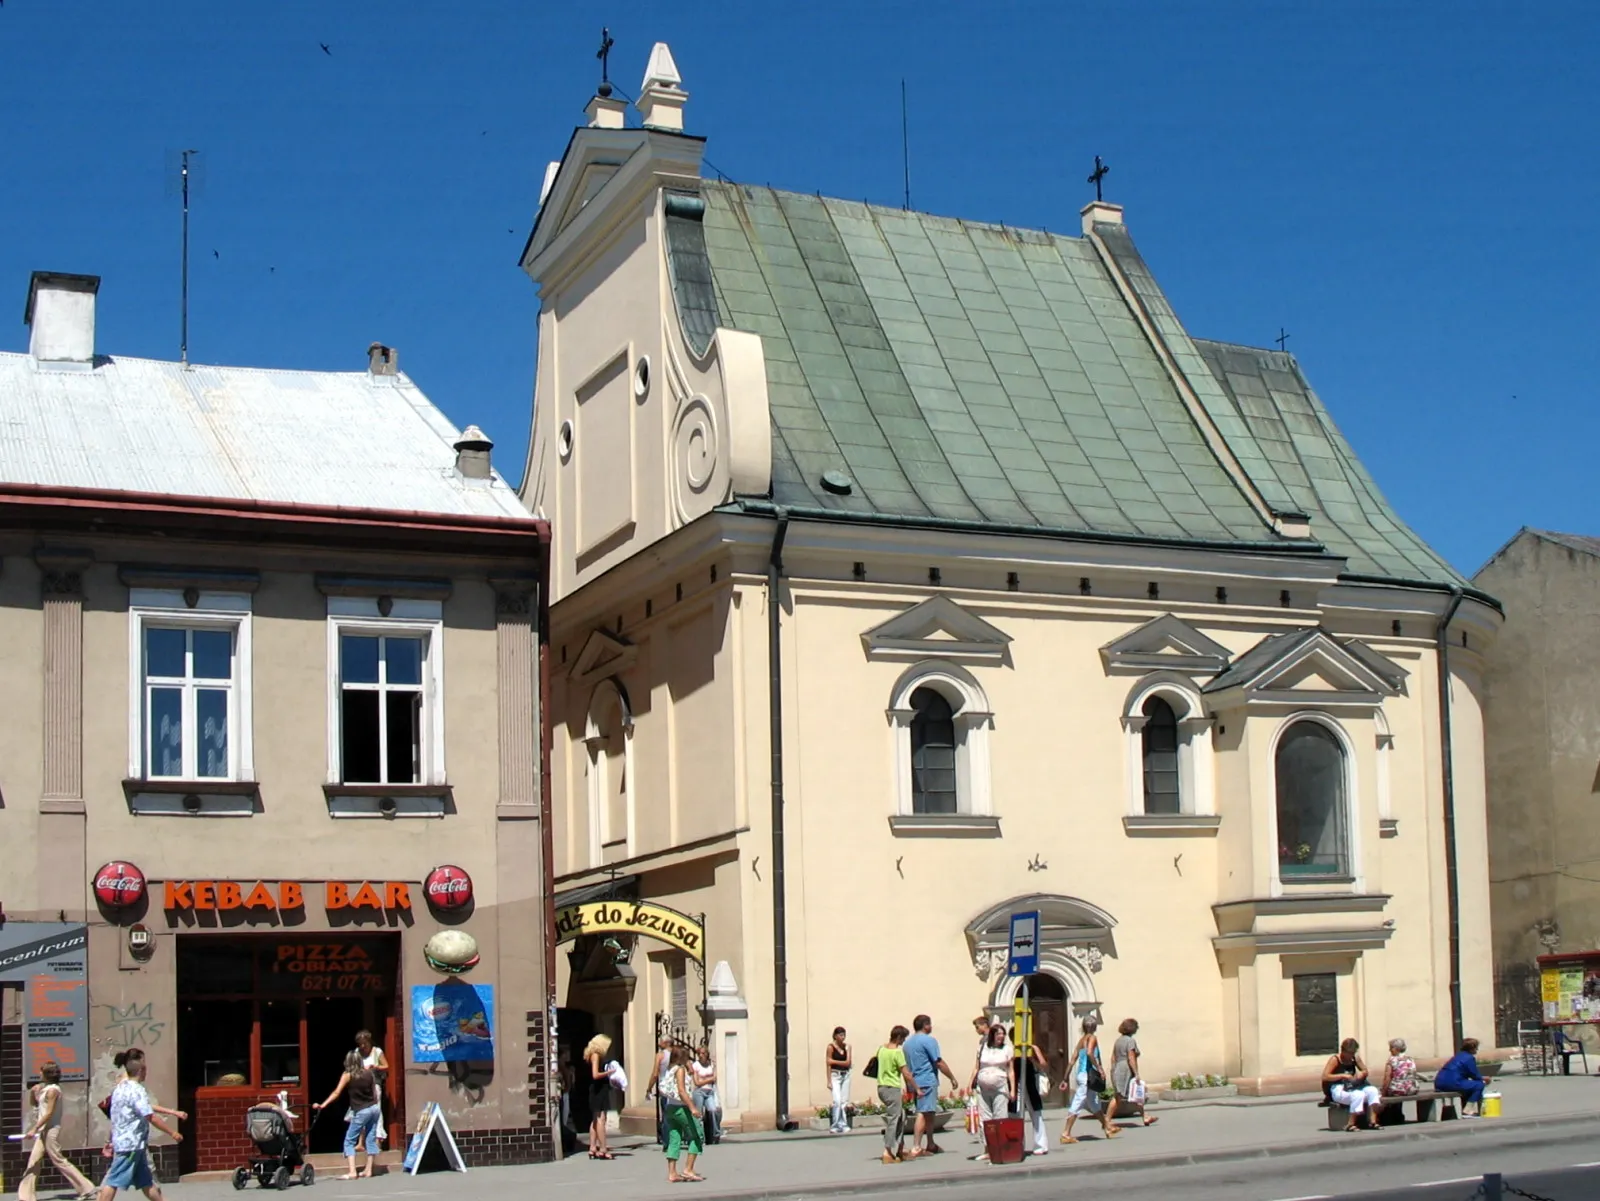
(1411, 190)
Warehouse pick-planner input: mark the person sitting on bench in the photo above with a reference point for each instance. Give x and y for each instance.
(1400, 1073)
(1461, 1075)
(1344, 1082)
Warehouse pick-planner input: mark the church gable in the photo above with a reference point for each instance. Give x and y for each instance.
(1167, 643)
(936, 628)
(602, 655)
(1310, 666)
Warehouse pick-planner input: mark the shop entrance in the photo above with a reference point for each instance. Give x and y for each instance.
(264, 1013)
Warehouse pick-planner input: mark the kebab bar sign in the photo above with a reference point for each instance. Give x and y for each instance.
(271, 896)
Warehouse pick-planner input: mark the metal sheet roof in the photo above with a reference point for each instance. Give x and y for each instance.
(297, 437)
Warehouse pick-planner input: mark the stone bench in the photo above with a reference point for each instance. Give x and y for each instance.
(1431, 1106)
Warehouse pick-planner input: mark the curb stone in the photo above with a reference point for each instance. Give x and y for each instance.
(1077, 1164)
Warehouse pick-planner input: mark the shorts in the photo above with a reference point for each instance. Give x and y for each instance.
(928, 1096)
(129, 1169)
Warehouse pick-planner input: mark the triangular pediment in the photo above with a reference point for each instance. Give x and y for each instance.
(1166, 643)
(937, 627)
(603, 654)
(1314, 667)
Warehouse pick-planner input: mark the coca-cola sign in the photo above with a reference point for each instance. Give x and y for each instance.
(448, 887)
(119, 885)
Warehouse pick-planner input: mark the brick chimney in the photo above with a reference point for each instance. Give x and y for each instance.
(60, 315)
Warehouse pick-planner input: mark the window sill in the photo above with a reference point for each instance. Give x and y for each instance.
(192, 798)
(1171, 825)
(945, 825)
(389, 800)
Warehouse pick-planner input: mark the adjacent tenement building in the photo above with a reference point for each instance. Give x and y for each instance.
(269, 647)
(910, 572)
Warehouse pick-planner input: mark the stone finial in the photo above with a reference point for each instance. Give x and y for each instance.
(605, 112)
(1101, 212)
(661, 95)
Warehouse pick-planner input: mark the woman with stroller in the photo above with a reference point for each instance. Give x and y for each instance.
(361, 1087)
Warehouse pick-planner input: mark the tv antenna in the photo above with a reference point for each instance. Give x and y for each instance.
(905, 145)
(183, 334)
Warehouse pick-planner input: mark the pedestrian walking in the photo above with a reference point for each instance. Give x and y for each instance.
(652, 1086)
(1345, 1083)
(360, 1086)
(599, 1094)
(1085, 1081)
(1461, 1075)
(704, 1075)
(980, 1028)
(1127, 1088)
(1028, 1069)
(1399, 1072)
(837, 1056)
(132, 1114)
(895, 1086)
(374, 1060)
(675, 1087)
(994, 1078)
(44, 1128)
(926, 1064)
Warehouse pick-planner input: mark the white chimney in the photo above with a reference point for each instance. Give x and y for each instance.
(60, 314)
(661, 95)
(382, 360)
(472, 453)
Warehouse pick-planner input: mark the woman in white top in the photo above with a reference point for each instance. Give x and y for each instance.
(45, 1131)
(994, 1076)
(704, 1074)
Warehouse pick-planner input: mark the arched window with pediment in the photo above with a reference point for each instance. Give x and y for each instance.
(1169, 754)
(1311, 769)
(1159, 747)
(940, 719)
(608, 736)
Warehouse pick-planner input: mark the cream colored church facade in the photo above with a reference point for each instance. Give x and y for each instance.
(915, 572)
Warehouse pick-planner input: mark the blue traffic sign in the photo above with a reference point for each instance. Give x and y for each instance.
(1023, 956)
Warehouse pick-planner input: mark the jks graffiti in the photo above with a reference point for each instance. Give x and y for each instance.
(132, 1025)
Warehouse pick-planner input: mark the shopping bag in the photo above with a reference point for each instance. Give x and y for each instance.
(974, 1115)
(1136, 1092)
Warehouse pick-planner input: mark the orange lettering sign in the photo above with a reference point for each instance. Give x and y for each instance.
(40, 991)
(205, 894)
(366, 897)
(396, 895)
(260, 897)
(178, 895)
(229, 895)
(290, 895)
(338, 895)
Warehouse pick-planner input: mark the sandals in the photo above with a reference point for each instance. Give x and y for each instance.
(601, 1155)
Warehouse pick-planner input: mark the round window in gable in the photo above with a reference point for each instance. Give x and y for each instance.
(641, 377)
(564, 441)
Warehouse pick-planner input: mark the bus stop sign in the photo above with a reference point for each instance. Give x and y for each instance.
(1023, 956)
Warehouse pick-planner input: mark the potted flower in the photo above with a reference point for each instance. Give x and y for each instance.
(1187, 1087)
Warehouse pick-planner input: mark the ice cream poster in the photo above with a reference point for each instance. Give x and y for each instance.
(452, 1020)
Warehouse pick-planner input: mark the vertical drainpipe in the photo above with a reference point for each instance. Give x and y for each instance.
(1451, 874)
(780, 934)
(547, 850)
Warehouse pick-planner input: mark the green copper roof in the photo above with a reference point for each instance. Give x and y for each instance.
(972, 373)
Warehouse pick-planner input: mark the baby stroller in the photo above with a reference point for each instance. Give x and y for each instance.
(278, 1147)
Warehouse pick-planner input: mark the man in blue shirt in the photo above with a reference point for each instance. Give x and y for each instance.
(925, 1062)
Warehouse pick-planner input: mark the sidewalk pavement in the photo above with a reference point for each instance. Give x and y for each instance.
(773, 1165)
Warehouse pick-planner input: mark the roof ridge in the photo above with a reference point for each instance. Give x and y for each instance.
(133, 358)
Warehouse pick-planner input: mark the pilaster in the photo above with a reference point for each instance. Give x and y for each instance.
(62, 825)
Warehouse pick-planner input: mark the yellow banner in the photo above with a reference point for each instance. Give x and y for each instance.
(633, 917)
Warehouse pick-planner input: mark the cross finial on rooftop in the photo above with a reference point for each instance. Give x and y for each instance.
(1282, 338)
(1099, 173)
(604, 55)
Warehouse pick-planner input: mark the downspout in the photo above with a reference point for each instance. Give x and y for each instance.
(780, 934)
(547, 848)
(1451, 875)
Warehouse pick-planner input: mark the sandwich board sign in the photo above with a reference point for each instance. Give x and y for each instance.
(432, 1122)
(1022, 958)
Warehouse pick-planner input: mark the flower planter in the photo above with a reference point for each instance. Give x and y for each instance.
(1199, 1094)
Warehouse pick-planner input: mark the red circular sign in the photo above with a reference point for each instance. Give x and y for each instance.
(448, 887)
(119, 885)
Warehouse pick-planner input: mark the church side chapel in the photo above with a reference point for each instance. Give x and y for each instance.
(911, 571)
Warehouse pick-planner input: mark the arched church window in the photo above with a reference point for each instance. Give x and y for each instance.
(1160, 746)
(933, 753)
(1311, 784)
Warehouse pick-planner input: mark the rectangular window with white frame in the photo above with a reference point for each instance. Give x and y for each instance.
(190, 669)
(385, 711)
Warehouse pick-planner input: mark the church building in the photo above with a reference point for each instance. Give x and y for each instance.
(910, 572)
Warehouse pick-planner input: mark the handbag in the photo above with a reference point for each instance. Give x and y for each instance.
(1094, 1078)
(871, 1070)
